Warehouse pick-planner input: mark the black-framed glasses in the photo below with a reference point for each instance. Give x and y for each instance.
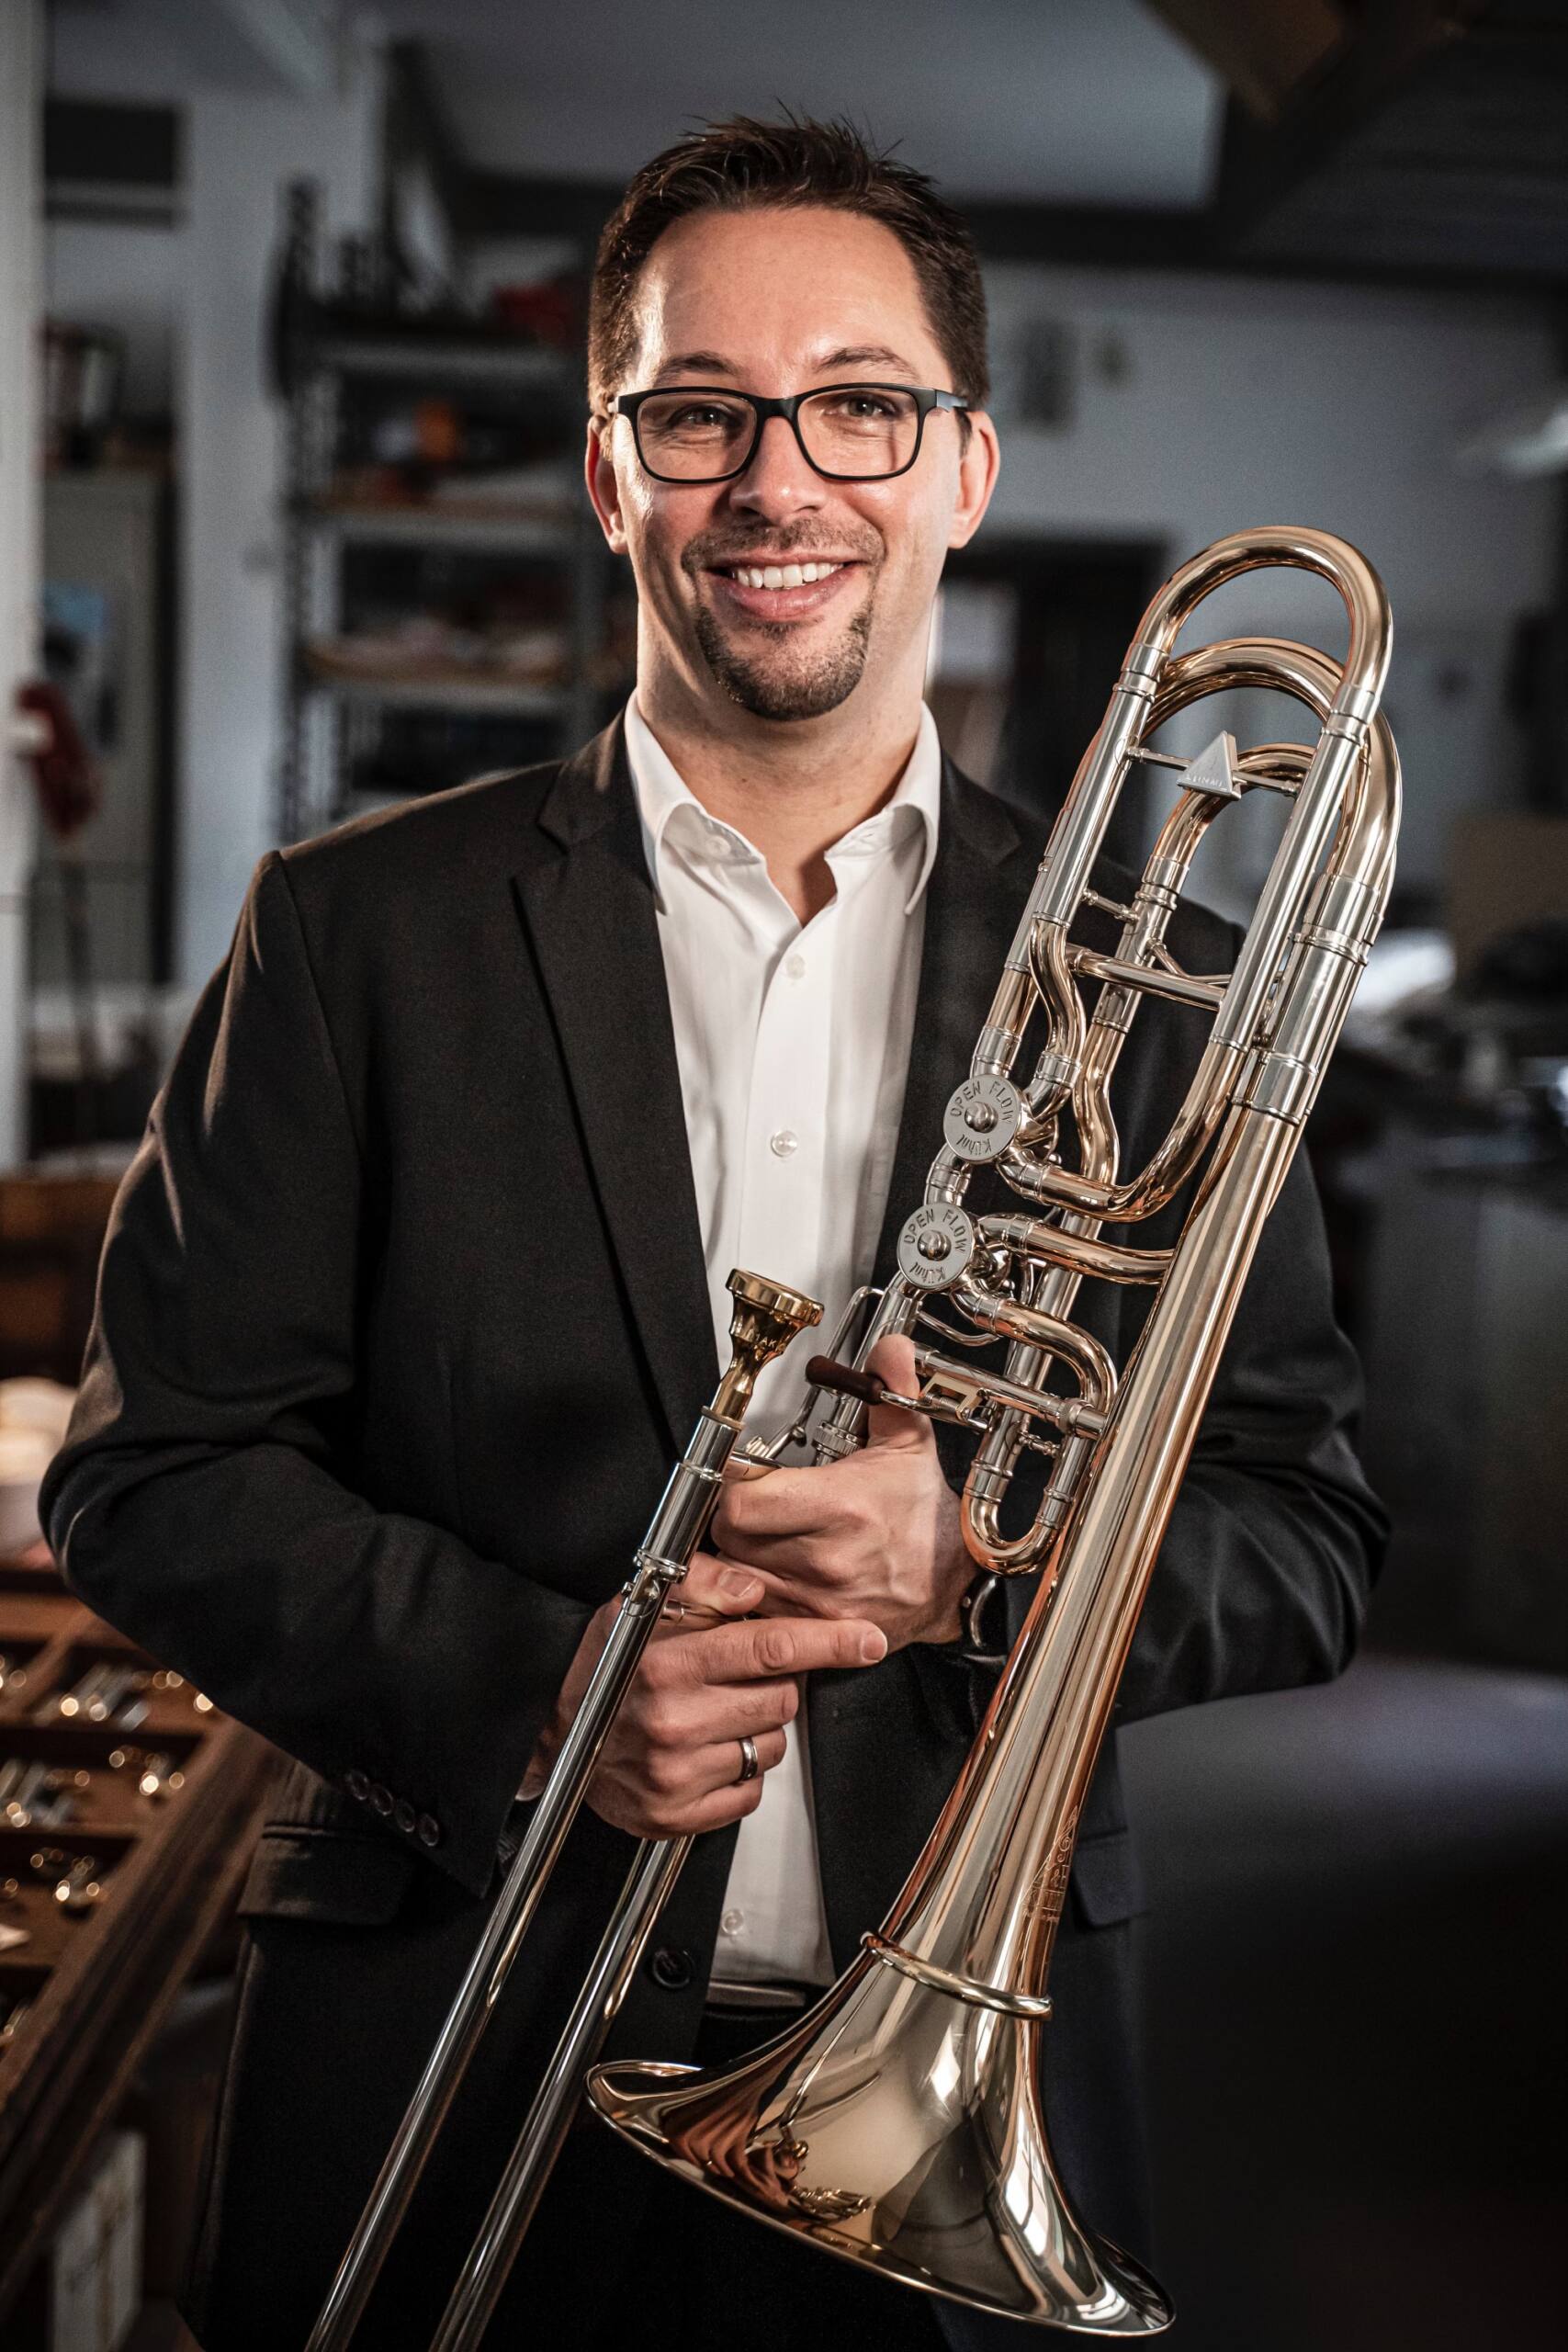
(703, 432)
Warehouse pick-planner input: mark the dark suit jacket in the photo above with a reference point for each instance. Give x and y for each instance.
(402, 1318)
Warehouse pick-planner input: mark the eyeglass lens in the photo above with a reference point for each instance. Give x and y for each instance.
(849, 429)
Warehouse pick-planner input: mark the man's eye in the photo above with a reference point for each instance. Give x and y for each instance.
(699, 417)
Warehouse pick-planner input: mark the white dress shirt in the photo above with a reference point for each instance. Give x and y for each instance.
(793, 1042)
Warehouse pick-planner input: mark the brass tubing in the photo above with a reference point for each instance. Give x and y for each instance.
(969, 1906)
(1055, 1288)
(1090, 1359)
(1362, 850)
(1109, 1262)
(1182, 988)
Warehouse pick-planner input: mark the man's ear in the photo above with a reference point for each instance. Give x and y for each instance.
(603, 490)
(978, 468)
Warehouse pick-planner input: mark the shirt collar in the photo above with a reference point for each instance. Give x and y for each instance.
(661, 791)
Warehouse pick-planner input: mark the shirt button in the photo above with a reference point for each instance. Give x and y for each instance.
(794, 966)
(381, 1799)
(732, 1922)
(357, 1784)
(784, 1143)
(404, 1815)
(429, 1829)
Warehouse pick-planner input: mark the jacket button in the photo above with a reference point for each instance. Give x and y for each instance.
(357, 1784)
(381, 1799)
(429, 1829)
(404, 1815)
(671, 1968)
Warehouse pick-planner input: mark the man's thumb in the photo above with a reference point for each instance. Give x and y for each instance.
(893, 1361)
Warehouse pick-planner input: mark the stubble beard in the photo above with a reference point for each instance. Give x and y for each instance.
(783, 689)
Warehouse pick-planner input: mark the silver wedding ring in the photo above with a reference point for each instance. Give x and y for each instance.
(749, 1765)
(696, 1613)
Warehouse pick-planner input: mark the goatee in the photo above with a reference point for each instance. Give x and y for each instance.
(784, 691)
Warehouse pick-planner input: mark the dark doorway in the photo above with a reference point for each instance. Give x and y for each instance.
(1033, 634)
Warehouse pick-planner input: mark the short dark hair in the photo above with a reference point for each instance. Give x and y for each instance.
(736, 165)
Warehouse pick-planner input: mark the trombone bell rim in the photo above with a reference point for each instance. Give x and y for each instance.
(896, 2126)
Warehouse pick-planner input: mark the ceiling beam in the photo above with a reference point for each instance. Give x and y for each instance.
(264, 45)
(416, 128)
(1061, 235)
(1262, 54)
(1263, 162)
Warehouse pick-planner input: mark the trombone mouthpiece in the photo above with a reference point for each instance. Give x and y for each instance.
(766, 1319)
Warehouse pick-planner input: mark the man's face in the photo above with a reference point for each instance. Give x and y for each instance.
(775, 302)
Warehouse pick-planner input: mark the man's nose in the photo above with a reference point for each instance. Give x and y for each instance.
(778, 482)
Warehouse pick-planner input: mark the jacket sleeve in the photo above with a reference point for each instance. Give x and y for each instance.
(196, 1503)
(1263, 1577)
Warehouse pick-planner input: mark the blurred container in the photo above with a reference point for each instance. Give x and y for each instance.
(24, 1456)
(84, 369)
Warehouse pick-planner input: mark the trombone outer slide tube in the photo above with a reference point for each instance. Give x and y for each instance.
(658, 1865)
(677, 1529)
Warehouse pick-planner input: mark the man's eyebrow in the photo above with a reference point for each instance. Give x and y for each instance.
(711, 364)
(694, 363)
(863, 355)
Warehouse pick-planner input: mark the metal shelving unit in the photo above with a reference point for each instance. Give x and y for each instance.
(445, 690)
(336, 712)
(433, 523)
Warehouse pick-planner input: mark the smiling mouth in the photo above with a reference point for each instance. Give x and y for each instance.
(777, 575)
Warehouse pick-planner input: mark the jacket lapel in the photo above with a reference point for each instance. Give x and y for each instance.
(587, 901)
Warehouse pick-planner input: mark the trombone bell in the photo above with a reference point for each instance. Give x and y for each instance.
(898, 2125)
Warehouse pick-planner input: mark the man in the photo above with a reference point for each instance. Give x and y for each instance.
(414, 1291)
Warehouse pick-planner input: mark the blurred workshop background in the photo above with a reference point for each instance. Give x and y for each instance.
(291, 314)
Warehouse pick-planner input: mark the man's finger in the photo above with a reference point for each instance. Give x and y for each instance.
(710, 1593)
(742, 1710)
(786, 1502)
(718, 1765)
(765, 1647)
(893, 1360)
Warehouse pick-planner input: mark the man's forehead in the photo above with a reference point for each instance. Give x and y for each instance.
(721, 292)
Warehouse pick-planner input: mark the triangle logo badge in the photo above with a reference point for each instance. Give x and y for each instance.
(1214, 770)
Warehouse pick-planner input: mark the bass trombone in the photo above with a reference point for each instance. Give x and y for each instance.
(899, 2123)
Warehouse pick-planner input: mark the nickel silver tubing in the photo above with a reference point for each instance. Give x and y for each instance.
(687, 1505)
(658, 1865)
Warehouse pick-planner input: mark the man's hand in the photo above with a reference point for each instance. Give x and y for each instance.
(671, 1763)
(875, 1536)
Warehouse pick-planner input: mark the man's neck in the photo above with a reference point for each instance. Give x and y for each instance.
(793, 789)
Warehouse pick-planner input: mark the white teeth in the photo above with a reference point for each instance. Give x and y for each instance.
(789, 575)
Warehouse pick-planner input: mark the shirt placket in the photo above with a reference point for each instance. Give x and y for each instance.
(784, 1140)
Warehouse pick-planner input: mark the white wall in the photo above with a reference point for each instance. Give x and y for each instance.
(21, 300)
(193, 302)
(242, 152)
(1243, 402)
